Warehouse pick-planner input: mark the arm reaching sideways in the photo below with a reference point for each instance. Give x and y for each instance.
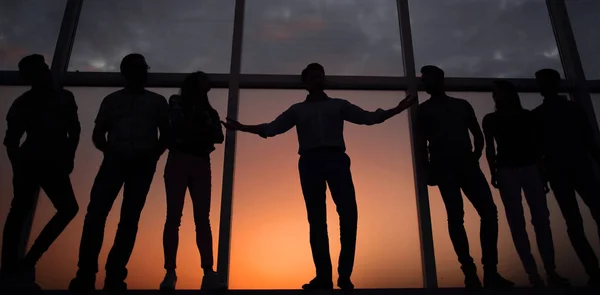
(357, 115)
(281, 124)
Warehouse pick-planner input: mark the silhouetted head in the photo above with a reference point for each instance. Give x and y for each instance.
(432, 79)
(195, 87)
(548, 81)
(506, 96)
(135, 69)
(34, 71)
(313, 77)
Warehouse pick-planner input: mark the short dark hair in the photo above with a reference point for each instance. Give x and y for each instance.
(129, 59)
(512, 100)
(312, 67)
(31, 61)
(433, 70)
(548, 74)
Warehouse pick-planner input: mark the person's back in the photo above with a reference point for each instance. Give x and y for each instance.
(515, 136)
(445, 124)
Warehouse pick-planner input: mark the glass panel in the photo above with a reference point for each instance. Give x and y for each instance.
(146, 264)
(27, 27)
(449, 274)
(484, 38)
(179, 36)
(584, 19)
(270, 242)
(346, 37)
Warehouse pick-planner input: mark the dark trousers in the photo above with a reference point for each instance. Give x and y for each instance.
(511, 180)
(565, 180)
(135, 174)
(185, 171)
(55, 181)
(317, 171)
(467, 175)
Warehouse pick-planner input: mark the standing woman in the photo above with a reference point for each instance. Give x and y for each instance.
(514, 166)
(195, 129)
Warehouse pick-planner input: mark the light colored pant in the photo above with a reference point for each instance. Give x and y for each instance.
(511, 182)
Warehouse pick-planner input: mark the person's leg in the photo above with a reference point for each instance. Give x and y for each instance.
(563, 186)
(137, 184)
(509, 185)
(176, 179)
(477, 190)
(58, 188)
(106, 187)
(314, 186)
(25, 186)
(451, 195)
(339, 179)
(200, 192)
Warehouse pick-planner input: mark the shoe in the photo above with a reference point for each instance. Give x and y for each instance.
(345, 283)
(472, 282)
(211, 281)
(496, 281)
(318, 284)
(114, 286)
(536, 281)
(594, 281)
(168, 283)
(555, 280)
(81, 285)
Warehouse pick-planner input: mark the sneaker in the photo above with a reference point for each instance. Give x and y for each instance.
(318, 284)
(345, 283)
(168, 283)
(536, 281)
(472, 282)
(496, 281)
(81, 285)
(211, 281)
(555, 280)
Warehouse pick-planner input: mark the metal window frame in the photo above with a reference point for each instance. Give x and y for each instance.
(574, 83)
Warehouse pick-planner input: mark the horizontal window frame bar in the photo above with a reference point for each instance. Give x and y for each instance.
(252, 81)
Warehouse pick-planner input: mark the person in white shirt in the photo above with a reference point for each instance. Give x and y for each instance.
(319, 122)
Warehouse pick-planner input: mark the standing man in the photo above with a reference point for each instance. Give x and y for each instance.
(48, 115)
(445, 122)
(126, 132)
(570, 155)
(319, 122)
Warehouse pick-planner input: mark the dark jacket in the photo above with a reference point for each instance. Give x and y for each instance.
(195, 127)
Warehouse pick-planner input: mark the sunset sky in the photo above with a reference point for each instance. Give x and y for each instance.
(270, 248)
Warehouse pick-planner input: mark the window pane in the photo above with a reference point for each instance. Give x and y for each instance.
(584, 20)
(484, 38)
(346, 37)
(27, 27)
(146, 264)
(178, 36)
(510, 266)
(270, 239)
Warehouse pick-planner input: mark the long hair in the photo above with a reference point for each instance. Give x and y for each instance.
(191, 89)
(509, 99)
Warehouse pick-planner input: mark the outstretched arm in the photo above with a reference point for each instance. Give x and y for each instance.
(357, 115)
(476, 131)
(490, 150)
(281, 124)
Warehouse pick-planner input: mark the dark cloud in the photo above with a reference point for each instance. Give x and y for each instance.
(468, 38)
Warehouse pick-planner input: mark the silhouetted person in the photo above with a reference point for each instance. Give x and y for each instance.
(514, 157)
(570, 154)
(48, 115)
(131, 119)
(319, 122)
(195, 129)
(445, 123)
